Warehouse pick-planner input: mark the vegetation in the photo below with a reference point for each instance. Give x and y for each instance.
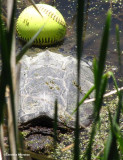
(113, 149)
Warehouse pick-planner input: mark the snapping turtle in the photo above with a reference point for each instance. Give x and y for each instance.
(49, 76)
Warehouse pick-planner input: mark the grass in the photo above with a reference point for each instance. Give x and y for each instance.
(113, 147)
(80, 20)
(65, 150)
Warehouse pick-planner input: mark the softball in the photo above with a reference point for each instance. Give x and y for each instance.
(52, 23)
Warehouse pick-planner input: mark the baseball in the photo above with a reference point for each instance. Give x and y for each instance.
(52, 23)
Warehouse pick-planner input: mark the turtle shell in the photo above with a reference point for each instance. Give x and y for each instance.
(49, 76)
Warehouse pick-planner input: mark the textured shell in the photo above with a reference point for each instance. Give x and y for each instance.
(49, 76)
(30, 21)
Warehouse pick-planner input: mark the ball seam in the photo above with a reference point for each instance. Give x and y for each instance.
(52, 15)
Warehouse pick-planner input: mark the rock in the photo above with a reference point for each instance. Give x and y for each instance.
(49, 76)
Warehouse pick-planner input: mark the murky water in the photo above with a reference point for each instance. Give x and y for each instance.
(95, 23)
(94, 29)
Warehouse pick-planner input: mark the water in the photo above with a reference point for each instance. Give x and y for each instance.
(94, 29)
(95, 23)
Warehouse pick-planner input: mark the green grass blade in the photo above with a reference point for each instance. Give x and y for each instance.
(96, 117)
(11, 24)
(80, 20)
(11, 28)
(27, 45)
(115, 127)
(103, 51)
(111, 151)
(6, 76)
(118, 47)
(55, 123)
(102, 92)
(119, 93)
(119, 137)
(100, 82)
(120, 66)
(115, 82)
(2, 142)
(3, 80)
(87, 95)
(33, 3)
(2, 95)
(84, 98)
(95, 69)
(3, 41)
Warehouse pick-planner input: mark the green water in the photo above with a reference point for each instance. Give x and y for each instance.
(95, 23)
(95, 20)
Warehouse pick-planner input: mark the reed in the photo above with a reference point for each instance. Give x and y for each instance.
(8, 76)
(114, 145)
(80, 20)
(100, 82)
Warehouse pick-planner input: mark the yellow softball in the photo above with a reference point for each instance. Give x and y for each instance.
(30, 21)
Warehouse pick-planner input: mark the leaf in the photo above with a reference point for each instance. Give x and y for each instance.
(103, 51)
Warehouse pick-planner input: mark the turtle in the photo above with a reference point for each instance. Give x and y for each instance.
(50, 76)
